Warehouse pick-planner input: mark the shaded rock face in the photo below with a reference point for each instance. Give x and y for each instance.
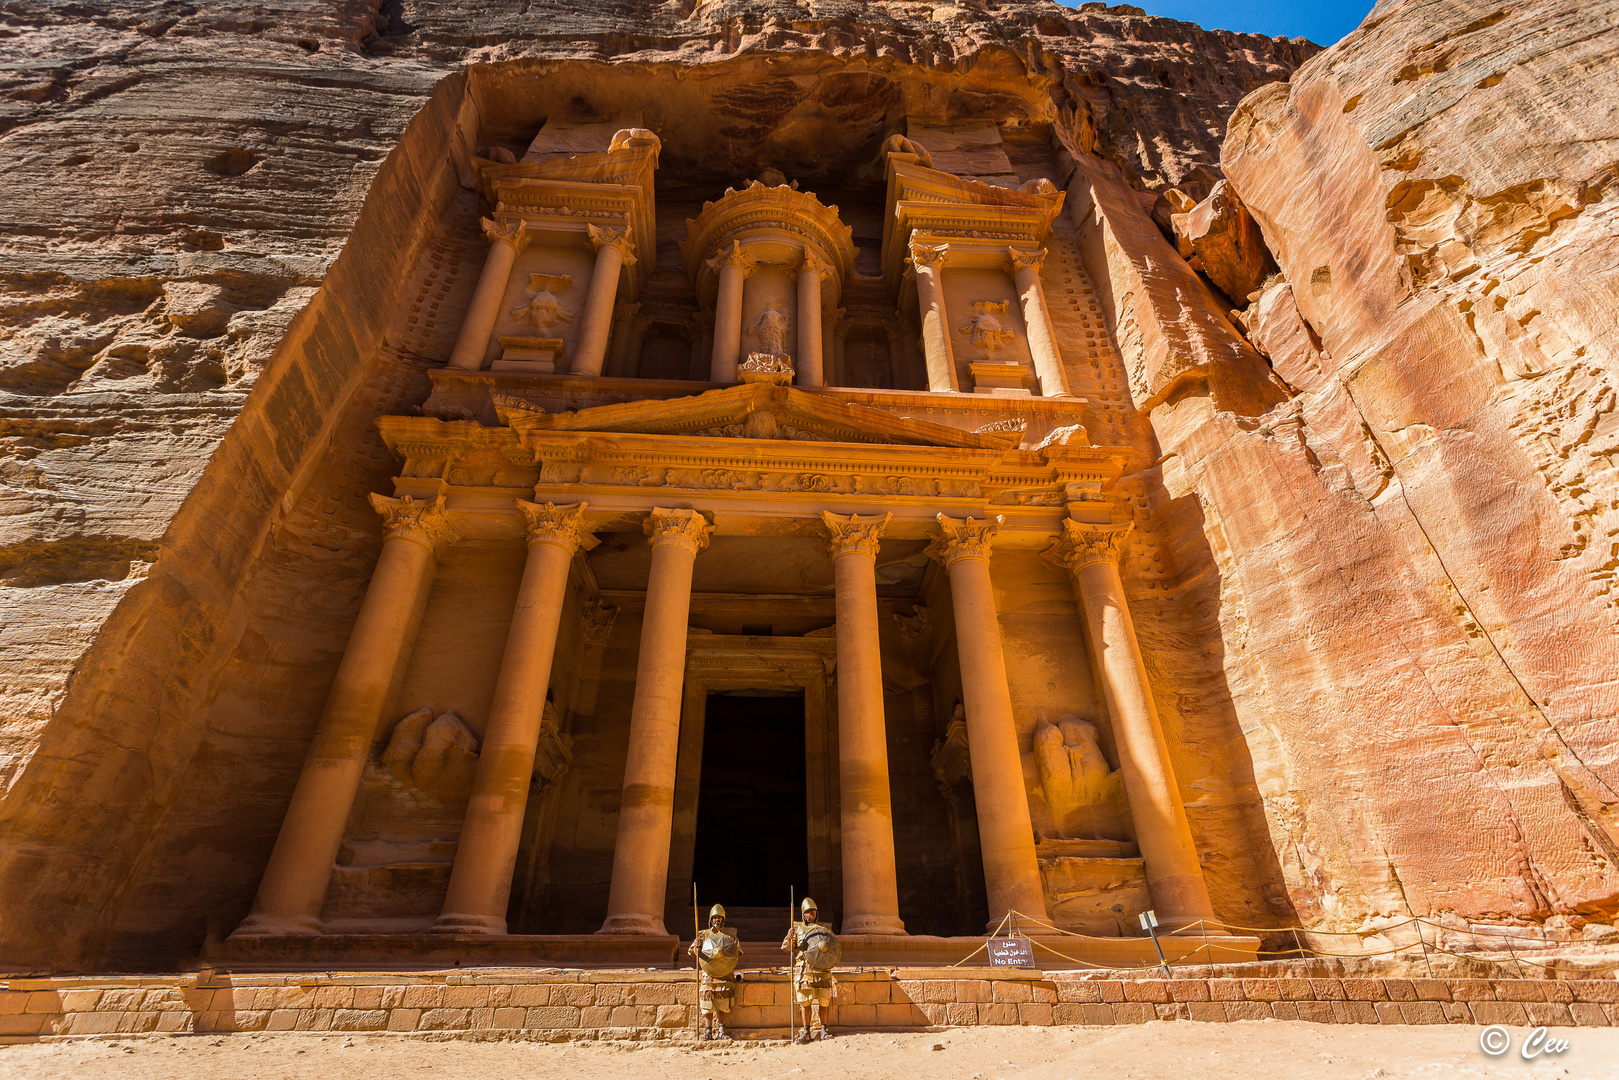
(1419, 548)
(1218, 237)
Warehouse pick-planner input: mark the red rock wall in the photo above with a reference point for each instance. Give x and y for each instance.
(1418, 548)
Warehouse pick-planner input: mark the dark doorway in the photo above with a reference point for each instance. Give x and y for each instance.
(752, 827)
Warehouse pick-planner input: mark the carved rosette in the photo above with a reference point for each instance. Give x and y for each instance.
(929, 256)
(1024, 259)
(849, 535)
(423, 523)
(514, 233)
(1079, 546)
(613, 238)
(549, 523)
(963, 538)
(733, 256)
(599, 619)
(684, 528)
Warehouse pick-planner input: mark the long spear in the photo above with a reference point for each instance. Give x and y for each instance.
(792, 954)
(697, 961)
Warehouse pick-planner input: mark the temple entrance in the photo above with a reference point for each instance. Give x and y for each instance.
(752, 825)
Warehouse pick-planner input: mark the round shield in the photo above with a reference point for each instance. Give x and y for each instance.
(719, 953)
(821, 949)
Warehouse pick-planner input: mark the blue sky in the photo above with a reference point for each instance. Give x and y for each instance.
(1322, 21)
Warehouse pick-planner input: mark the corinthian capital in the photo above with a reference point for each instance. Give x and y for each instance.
(929, 255)
(514, 233)
(685, 528)
(849, 535)
(1024, 259)
(732, 256)
(613, 238)
(963, 538)
(549, 523)
(816, 265)
(423, 523)
(1079, 546)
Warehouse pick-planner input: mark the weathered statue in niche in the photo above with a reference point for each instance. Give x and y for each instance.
(1073, 793)
(771, 330)
(986, 329)
(544, 308)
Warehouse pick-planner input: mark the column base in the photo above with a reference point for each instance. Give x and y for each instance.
(633, 924)
(452, 923)
(872, 924)
(259, 924)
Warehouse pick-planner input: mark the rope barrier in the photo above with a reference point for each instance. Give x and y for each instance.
(1516, 958)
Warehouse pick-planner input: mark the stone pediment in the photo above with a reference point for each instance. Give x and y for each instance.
(754, 411)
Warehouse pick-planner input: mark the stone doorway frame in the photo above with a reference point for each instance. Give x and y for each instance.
(719, 662)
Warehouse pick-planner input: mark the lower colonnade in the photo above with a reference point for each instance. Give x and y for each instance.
(293, 889)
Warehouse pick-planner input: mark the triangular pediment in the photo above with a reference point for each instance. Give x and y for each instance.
(754, 411)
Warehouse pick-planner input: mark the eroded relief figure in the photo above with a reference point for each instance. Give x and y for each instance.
(544, 309)
(1074, 794)
(771, 330)
(986, 329)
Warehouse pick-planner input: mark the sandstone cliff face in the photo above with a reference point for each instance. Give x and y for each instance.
(1418, 549)
(185, 421)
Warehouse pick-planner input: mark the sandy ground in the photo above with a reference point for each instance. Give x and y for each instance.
(1173, 1051)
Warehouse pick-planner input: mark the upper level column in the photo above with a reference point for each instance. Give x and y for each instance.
(870, 889)
(1090, 553)
(481, 880)
(1037, 321)
(505, 241)
(1006, 833)
(810, 275)
(733, 267)
(646, 808)
(293, 889)
(614, 251)
(929, 260)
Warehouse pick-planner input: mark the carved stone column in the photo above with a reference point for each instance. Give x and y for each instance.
(814, 271)
(646, 809)
(613, 251)
(505, 241)
(1011, 875)
(638, 328)
(293, 888)
(840, 337)
(733, 267)
(618, 356)
(1037, 319)
(870, 890)
(1090, 553)
(902, 354)
(481, 881)
(929, 260)
(700, 332)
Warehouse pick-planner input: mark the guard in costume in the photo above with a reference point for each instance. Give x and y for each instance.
(815, 952)
(717, 951)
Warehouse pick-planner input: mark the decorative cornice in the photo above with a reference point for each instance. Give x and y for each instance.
(849, 535)
(732, 256)
(553, 524)
(932, 256)
(618, 239)
(423, 523)
(963, 538)
(684, 528)
(514, 233)
(1025, 259)
(1079, 546)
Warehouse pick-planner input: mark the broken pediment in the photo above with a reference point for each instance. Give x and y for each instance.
(754, 411)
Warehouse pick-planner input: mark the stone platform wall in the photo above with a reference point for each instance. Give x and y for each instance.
(653, 1005)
